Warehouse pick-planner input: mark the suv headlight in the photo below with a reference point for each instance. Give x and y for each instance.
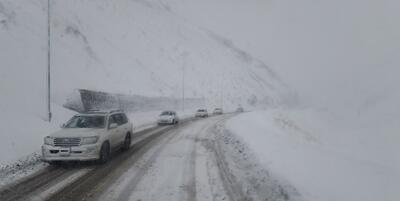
(89, 140)
(49, 140)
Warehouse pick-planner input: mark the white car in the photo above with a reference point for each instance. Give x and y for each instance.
(201, 113)
(240, 109)
(168, 117)
(88, 136)
(218, 111)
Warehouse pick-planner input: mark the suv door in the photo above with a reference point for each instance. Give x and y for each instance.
(176, 118)
(122, 127)
(126, 126)
(113, 132)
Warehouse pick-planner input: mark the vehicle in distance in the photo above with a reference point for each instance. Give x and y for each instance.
(201, 113)
(240, 109)
(88, 136)
(168, 117)
(218, 111)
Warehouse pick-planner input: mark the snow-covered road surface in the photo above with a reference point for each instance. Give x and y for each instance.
(49, 181)
(196, 160)
(180, 167)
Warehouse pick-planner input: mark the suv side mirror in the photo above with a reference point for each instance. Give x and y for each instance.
(113, 125)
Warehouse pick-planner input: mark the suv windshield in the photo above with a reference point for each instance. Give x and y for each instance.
(86, 122)
(201, 110)
(166, 113)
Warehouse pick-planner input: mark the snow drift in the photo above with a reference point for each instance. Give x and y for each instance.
(326, 156)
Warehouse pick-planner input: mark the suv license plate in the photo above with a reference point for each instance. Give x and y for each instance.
(65, 152)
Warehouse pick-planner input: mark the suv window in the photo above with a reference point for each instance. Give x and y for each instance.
(124, 119)
(120, 119)
(169, 113)
(86, 122)
(112, 119)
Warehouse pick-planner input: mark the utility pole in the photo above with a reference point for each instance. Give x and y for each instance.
(222, 90)
(183, 88)
(222, 93)
(48, 60)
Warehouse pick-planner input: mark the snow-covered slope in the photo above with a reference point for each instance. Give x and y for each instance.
(326, 156)
(132, 47)
(138, 47)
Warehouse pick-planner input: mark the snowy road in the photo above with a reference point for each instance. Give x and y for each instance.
(177, 168)
(48, 183)
(164, 163)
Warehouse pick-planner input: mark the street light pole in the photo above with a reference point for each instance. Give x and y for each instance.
(183, 88)
(48, 60)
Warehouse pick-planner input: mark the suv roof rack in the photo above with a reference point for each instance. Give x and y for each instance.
(94, 111)
(115, 110)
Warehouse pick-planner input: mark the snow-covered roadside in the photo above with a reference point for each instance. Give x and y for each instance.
(200, 161)
(21, 141)
(242, 164)
(321, 155)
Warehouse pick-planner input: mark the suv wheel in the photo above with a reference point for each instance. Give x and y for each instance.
(104, 153)
(127, 142)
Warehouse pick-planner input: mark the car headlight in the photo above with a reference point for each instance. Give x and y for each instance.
(89, 140)
(49, 140)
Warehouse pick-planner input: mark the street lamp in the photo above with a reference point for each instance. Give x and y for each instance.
(183, 88)
(48, 61)
(184, 57)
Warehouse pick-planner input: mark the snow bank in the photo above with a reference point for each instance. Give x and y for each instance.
(22, 132)
(325, 156)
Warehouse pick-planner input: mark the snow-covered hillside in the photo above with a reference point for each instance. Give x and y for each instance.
(137, 47)
(326, 156)
(346, 64)
(131, 47)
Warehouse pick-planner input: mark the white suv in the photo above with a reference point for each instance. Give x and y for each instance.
(88, 136)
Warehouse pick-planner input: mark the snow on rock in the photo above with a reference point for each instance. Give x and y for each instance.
(323, 155)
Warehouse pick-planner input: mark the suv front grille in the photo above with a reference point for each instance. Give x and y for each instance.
(67, 142)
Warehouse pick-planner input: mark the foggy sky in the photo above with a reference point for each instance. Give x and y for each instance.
(334, 53)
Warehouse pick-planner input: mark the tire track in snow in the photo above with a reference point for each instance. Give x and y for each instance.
(190, 174)
(168, 171)
(133, 182)
(231, 186)
(34, 187)
(30, 189)
(89, 185)
(191, 181)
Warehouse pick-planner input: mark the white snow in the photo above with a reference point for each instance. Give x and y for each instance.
(325, 157)
(22, 132)
(343, 54)
(179, 167)
(129, 47)
(60, 185)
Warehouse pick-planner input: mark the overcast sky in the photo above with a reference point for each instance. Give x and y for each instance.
(333, 52)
